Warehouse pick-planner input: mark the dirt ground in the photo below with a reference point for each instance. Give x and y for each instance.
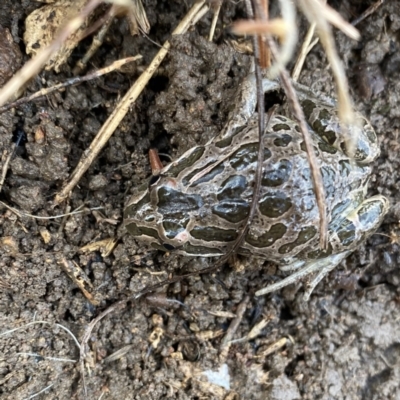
(342, 344)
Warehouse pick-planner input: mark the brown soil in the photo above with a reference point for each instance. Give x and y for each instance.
(342, 344)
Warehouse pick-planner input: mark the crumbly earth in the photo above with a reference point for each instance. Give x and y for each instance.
(342, 344)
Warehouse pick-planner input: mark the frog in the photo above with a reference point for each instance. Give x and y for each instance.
(197, 204)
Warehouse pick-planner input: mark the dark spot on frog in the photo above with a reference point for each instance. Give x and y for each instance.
(171, 202)
(232, 188)
(268, 238)
(308, 107)
(231, 210)
(369, 213)
(199, 250)
(281, 127)
(278, 174)
(225, 142)
(274, 204)
(247, 154)
(212, 233)
(326, 148)
(305, 234)
(51, 16)
(347, 233)
(356, 184)
(337, 211)
(324, 115)
(177, 167)
(137, 230)
(209, 176)
(303, 147)
(173, 228)
(328, 177)
(187, 178)
(283, 141)
(228, 141)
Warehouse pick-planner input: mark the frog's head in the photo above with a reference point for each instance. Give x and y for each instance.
(160, 214)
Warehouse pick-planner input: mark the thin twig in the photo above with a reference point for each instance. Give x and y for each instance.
(44, 323)
(216, 10)
(4, 170)
(70, 82)
(37, 393)
(32, 67)
(123, 107)
(321, 14)
(305, 49)
(233, 326)
(370, 10)
(25, 214)
(47, 358)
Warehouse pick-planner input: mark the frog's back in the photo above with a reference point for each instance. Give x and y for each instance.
(202, 199)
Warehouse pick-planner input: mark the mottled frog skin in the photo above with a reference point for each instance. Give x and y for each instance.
(198, 203)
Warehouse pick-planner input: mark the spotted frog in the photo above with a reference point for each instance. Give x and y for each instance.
(197, 204)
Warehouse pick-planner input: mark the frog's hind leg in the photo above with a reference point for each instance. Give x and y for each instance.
(355, 228)
(323, 266)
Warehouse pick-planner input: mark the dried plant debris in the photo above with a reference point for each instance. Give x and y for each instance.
(43, 24)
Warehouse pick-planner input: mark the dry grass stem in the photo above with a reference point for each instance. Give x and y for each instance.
(78, 276)
(20, 213)
(70, 82)
(5, 166)
(33, 67)
(273, 348)
(44, 323)
(137, 16)
(38, 393)
(333, 17)
(123, 107)
(276, 27)
(305, 49)
(284, 28)
(370, 10)
(288, 45)
(227, 340)
(47, 358)
(312, 10)
(118, 354)
(138, 22)
(216, 9)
